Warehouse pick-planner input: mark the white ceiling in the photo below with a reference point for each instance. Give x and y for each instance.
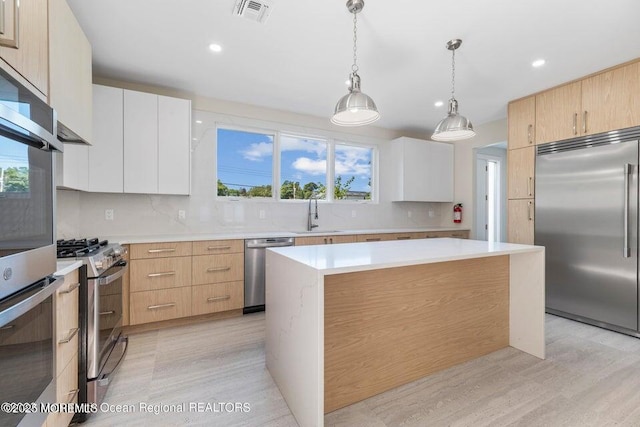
(298, 61)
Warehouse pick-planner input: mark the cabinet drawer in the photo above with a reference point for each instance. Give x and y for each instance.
(162, 273)
(217, 268)
(217, 297)
(66, 392)
(154, 306)
(160, 250)
(375, 237)
(408, 236)
(214, 247)
(66, 347)
(460, 234)
(432, 234)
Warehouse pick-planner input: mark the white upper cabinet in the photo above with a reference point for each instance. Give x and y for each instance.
(174, 145)
(142, 143)
(422, 170)
(106, 153)
(70, 91)
(72, 170)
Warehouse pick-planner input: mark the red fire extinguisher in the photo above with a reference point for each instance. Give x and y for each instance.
(457, 213)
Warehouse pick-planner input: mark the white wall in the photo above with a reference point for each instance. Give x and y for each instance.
(142, 215)
(487, 134)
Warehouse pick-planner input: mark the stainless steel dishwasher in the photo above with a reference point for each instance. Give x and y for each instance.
(254, 270)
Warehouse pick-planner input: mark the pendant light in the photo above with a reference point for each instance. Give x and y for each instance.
(453, 127)
(355, 108)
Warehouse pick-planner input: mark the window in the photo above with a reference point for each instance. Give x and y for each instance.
(352, 166)
(286, 166)
(303, 167)
(245, 163)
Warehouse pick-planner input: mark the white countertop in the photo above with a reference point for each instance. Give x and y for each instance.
(66, 267)
(350, 257)
(125, 240)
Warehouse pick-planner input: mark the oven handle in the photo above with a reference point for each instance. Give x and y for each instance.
(22, 307)
(115, 276)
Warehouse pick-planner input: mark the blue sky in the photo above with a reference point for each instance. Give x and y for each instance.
(245, 159)
(13, 154)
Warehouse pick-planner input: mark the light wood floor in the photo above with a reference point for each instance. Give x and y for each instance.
(591, 377)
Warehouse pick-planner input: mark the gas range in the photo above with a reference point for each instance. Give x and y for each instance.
(97, 255)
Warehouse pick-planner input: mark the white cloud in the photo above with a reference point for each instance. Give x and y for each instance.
(288, 143)
(257, 151)
(352, 160)
(310, 166)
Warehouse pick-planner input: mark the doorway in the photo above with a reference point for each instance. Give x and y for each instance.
(490, 193)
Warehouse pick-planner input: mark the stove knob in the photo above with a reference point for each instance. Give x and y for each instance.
(99, 265)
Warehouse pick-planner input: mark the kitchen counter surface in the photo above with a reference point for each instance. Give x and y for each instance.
(127, 239)
(66, 267)
(350, 257)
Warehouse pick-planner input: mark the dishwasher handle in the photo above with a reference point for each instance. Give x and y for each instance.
(268, 245)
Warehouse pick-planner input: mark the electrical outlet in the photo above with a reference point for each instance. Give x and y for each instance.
(409, 214)
(353, 213)
(108, 214)
(262, 214)
(182, 214)
(432, 213)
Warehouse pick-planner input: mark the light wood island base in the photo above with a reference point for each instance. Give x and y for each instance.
(346, 322)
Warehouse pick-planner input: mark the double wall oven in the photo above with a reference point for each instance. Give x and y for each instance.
(27, 250)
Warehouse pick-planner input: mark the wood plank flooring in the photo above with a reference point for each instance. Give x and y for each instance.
(591, 377)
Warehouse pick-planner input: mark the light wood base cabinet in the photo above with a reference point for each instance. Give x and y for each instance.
(155, 306)
(161, 273)
(217, 297)
(217, 268)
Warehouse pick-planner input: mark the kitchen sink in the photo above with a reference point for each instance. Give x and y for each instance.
(319, 232)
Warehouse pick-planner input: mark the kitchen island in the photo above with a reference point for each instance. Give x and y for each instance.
(346, 322)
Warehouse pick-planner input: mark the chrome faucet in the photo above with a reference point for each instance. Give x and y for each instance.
(310, 224)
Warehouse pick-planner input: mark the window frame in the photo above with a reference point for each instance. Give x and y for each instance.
(331, 142)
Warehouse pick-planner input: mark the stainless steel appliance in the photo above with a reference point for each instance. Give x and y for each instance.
(27, 351)
(586, 216)
(102, 346)
(254, 273)
(27, 190)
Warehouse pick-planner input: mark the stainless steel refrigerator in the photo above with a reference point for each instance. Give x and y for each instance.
(586, 216)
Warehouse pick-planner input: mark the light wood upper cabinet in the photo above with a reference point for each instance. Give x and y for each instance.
(520, 224)
(30, 58)
(521, 173)
(611, 100)
(558, 113)
(422, 170)
(522, 121)
(71, 92)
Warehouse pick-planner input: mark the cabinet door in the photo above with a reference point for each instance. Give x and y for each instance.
(311, 240)
(70, 93)
(106, 153)
(174, 145)
(140, 142)
(611, 100)
(72, 169)
(558, 113)
(521, 221)
(522, 117)
(31, 58)
(521, 166)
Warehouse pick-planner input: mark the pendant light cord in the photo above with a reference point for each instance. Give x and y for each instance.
(453, 73)
(354, 67)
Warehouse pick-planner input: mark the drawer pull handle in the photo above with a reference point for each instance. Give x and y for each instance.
(530, 186)
(374, 240)
(403, 238)
(70, 289)
(159, 251)
(107, 313)
(6, 328)
(584, 122)
(575, 123)
(155, 307)
(222, 298)
(166, 273)
(73, 394)
(218, 248)
(216, 269)
(69, 337)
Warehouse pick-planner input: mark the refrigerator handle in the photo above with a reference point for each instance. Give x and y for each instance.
(627, 171)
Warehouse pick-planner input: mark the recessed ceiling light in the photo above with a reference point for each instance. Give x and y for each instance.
(438, 103)
(215, 47)
(195, 139)
(347, 82)
(538, 63)
(199, 122)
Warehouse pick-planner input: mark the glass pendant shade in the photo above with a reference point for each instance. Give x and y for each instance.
(355, 108)
(453, 127)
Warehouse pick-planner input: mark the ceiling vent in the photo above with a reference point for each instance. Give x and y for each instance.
(253, 10)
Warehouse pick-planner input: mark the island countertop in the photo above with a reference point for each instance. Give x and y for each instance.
(351, 257)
